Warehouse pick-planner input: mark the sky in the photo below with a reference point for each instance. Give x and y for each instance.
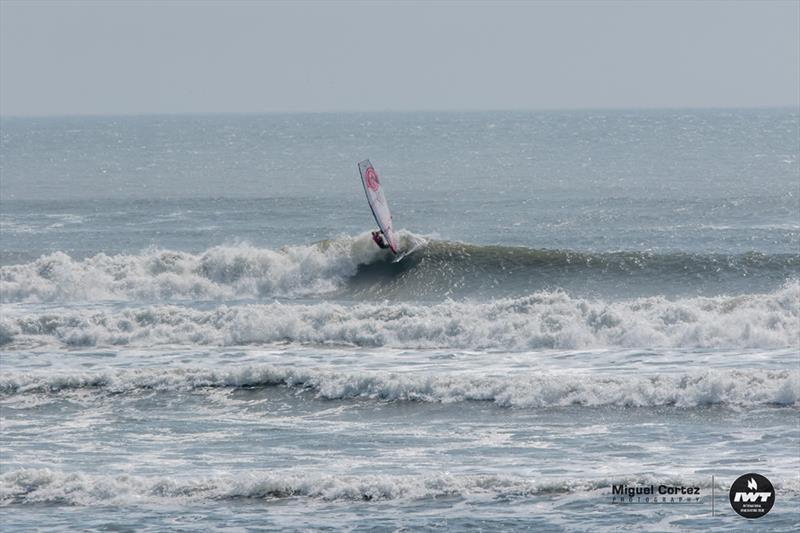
(78, 58)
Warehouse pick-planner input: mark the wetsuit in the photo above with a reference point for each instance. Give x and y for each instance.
(378, 238)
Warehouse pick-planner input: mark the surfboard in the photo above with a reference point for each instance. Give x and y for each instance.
(377, 202)
(399, 257)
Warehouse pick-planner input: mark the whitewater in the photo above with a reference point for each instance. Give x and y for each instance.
(187, 342)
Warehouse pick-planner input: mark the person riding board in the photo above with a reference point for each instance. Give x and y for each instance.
(377, 236)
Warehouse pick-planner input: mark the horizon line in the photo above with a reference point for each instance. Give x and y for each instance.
(795, 106)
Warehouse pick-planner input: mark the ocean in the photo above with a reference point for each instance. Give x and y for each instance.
(197, 331)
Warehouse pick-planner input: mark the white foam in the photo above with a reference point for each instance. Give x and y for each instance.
(541, 320)
(44, 485)
(522, 389)
(221, 272)
(30, 486)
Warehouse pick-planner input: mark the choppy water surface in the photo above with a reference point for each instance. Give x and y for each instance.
(197, 331)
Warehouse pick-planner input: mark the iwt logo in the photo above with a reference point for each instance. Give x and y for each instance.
(752, 495)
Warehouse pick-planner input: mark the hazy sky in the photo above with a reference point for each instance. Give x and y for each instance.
(119, 57)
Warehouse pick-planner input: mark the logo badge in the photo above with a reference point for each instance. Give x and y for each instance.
(372, 179)
(752, 495)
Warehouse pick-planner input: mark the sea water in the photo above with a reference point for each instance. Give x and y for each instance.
(198, 332)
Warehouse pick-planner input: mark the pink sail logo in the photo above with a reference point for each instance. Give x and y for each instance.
(372, 179)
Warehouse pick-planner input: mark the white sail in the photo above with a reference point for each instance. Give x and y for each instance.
(377, 202)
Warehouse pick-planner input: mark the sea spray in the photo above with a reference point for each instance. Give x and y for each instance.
(547, 319)
(540, 389)
(353, 267)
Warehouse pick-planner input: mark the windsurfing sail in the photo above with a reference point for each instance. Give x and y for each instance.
(377, 202)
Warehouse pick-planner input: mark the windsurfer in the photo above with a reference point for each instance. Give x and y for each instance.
(377, 236)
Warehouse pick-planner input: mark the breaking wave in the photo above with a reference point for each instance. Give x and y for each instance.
(222, 272)
(48, 486)
(540, 320)
(37, 486)
(354, 266)
(539, 390)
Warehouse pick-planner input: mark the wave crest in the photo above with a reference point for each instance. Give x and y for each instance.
(541, 320)
(222, 272)
(354, 266)
(540, 390)
(25, 486)
(35, 486)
